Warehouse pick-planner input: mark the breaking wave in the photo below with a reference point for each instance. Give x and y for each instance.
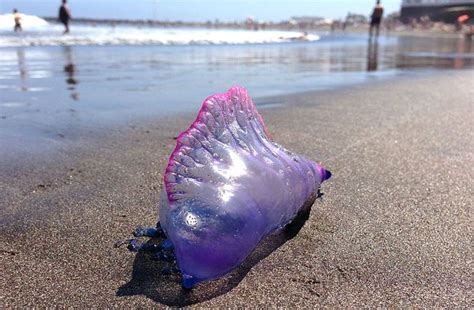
(38, 32)
(27, 21)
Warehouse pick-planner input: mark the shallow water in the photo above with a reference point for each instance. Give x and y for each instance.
(51, 94)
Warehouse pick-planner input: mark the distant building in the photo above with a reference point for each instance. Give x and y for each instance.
(356, 19)
(310, 21)
(437, 10)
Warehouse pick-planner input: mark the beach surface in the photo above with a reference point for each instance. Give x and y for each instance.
(393, 228)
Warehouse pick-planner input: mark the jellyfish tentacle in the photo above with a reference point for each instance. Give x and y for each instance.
(151, 232)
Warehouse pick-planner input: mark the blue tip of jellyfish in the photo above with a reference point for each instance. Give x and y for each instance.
(189, 281)
(327, 175)
(323, 173)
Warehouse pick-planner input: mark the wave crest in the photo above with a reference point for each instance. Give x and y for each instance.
(27, 21)
(37, 32)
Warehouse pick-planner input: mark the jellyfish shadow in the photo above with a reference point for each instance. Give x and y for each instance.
(148, 279)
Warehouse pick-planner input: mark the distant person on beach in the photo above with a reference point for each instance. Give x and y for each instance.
(17, 18)
(461, 20)
(376, 19)
(65, 15)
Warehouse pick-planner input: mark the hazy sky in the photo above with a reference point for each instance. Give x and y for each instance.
(199, 10)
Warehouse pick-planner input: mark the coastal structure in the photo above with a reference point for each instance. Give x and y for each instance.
(437, 10)
(308, 21)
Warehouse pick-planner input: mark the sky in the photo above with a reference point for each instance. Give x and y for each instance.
(199, 10)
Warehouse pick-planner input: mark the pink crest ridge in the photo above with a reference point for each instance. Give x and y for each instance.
(226, 98)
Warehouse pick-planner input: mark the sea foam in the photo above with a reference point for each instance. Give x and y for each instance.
(37, 32)
(27, 21)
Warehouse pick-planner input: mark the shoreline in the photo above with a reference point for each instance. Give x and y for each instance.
(94, 135)
(391, 230)
(167, 126)
(65, 141)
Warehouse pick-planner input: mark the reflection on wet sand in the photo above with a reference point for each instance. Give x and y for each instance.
(20, 53)
(463, 47)
(70, 70)
(434, 53)
(120, 82)
(372, 54)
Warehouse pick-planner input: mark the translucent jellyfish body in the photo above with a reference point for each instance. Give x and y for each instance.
(228, 186)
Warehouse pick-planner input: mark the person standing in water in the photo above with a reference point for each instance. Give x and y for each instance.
(17, 18)
(376, 19)
(64, 15)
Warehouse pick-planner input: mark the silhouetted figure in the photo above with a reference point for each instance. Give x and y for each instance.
(64, 15)
(376, 19)
(17, 18)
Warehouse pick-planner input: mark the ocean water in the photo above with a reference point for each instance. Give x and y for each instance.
(39, 32)
(55, 87)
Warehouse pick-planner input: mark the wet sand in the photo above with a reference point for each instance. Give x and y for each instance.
(53, 95)
(393, 227)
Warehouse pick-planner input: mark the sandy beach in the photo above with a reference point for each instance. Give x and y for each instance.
(393, 228)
